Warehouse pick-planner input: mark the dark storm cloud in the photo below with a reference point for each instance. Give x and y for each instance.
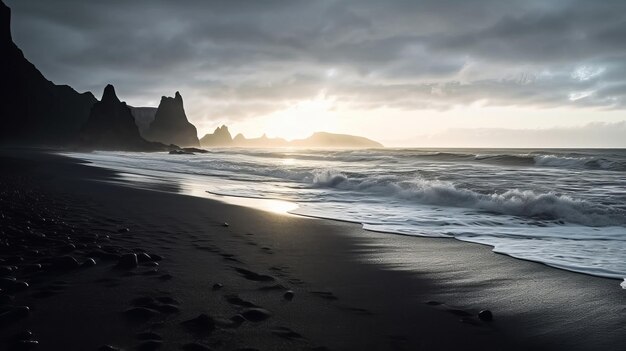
(237, 59)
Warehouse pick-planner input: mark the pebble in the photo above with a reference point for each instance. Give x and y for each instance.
(90, 262)
(288, 295)
(143, 257)
(127, 261)
(485, 315)
(225, 224)
(217, 286)
(256, 314)
(68, 248)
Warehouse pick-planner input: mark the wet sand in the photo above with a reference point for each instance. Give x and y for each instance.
(211, 275)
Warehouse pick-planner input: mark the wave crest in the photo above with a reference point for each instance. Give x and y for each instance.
(514, 202)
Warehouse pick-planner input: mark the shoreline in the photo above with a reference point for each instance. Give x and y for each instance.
(371, 287)
(261, 203)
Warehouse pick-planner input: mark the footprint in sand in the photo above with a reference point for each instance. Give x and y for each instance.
(286, 333)
(250, 275)
(327, 295)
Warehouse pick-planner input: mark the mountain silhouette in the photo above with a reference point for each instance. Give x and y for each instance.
(170, 124)
(33, 110)
(220, 138)
(111, 126)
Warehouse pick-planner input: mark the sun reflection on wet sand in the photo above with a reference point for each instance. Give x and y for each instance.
(196, 187)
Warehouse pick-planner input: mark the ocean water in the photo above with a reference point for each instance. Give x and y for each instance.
(565, 208)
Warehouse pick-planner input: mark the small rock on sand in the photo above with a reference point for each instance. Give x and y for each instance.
(217, 286)
(143, 257)
(288, 295)
(127, 261)
(485, 315)
(90, 262)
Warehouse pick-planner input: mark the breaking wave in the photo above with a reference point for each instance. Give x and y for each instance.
(514, 202)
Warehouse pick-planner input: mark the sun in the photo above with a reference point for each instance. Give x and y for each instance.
(302, 118)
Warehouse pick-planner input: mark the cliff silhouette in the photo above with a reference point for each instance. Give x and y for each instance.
(111, 126)
(34, 110)
(220, 138)
(170, 124)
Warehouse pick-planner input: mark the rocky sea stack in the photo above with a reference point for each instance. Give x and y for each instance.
(221, 137)
(111, 126)
(170, 125)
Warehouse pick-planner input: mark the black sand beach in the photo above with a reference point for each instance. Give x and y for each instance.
(217, 276)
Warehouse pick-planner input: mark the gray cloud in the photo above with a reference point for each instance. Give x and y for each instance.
(237, 59)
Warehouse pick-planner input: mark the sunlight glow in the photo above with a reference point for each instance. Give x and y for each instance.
(301, 118)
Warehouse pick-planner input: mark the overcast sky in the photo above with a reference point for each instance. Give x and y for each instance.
(395, 71)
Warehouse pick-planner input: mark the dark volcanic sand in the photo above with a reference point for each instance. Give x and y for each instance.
(264, 281)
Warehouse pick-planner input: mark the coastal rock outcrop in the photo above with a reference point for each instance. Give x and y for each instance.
(143, 117)
(170, 124)
(111, 126)
(33, 110)
(220, 138)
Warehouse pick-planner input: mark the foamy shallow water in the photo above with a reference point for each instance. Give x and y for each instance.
(565, 208)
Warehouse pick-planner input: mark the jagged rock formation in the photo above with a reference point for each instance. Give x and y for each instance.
(170, 125)
(222, 138)
(143, 117)
(33, 110)
(111, 126)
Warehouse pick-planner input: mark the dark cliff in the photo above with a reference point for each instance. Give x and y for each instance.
(111, 126)
(170, 125)
(33, 110)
